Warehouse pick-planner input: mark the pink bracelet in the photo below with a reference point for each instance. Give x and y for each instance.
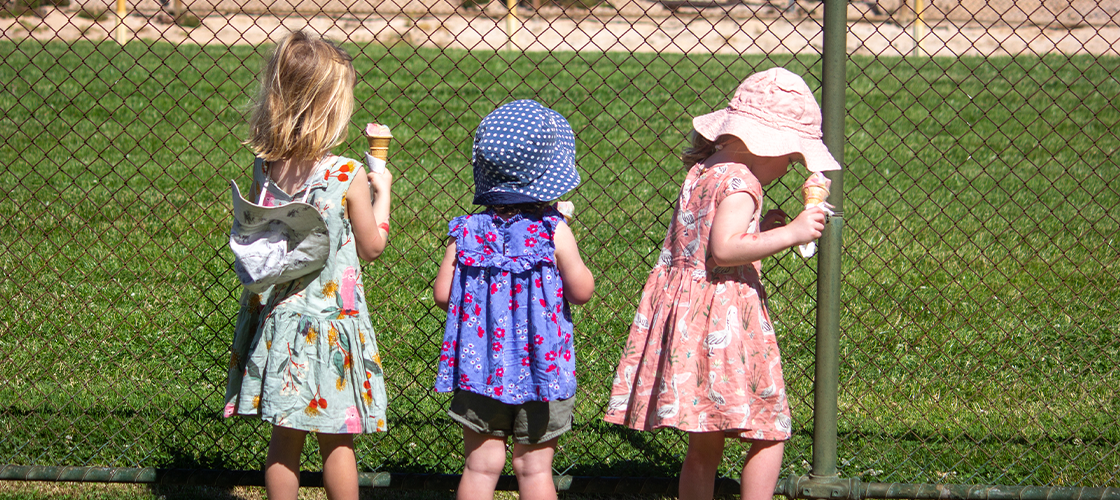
(385, 226)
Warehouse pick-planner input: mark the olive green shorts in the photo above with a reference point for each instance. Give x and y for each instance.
(531, 422)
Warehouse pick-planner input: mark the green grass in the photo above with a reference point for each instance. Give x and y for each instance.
(978, 328)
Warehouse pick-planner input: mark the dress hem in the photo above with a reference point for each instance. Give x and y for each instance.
(737, 433)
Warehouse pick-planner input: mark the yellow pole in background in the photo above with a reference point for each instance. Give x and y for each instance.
(511, 19)
(121, 29)
(919, 27)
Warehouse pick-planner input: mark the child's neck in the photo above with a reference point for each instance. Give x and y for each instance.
(290, 175)
(732, 154)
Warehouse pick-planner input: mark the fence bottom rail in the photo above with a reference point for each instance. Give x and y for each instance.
(402, 481)
(836, 488)
(793, 487)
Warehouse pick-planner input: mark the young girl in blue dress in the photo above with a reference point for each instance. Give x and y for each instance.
(304, 357)
(506, 282)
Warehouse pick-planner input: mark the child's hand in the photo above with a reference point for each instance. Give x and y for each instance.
(773, 219)
(808, 225)
(380, 182)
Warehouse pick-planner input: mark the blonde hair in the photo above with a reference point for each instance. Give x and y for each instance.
(305, 101)
(699, 150)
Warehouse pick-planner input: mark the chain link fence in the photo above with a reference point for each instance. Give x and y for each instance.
(979, 334)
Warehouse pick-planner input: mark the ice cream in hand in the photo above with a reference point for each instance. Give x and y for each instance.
(567, 209)
(378, 137)
(815, 191)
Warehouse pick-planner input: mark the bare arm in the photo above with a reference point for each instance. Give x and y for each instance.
(732, 246)
(441, 291)
(366, 216)
(579, 283)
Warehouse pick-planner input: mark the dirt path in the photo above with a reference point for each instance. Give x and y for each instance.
(735, 31)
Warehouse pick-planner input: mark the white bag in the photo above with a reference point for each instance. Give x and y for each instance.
(276, 244)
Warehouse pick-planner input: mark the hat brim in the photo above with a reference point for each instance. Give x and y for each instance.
(300, 217)
(493, 197)
(764, 140)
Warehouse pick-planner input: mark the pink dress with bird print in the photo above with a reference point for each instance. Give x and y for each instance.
(304, 354)
(702, 355)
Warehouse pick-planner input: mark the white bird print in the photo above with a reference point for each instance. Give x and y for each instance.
(687, 218)
(620, 401)
(773, 388)
(782, 422)
(641, 321)
(714, 395)
(745, 409)
(682, 328)
(720, 339)
(691, 247)
(686, 193)
(767, 328)
(665, 258)
(734, 184)
(668, 411)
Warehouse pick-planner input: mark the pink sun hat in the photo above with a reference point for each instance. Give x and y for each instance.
(774, 114)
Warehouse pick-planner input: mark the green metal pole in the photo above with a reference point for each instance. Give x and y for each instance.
(826, 385)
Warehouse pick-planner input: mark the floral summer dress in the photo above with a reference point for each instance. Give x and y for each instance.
(304, 354)
(508, 334)
(702, 355)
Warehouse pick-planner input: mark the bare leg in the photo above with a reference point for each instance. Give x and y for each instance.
(698, 473)
(533, 465)
(340, 467)
(486, 457)
(281, 468)
(761, 470)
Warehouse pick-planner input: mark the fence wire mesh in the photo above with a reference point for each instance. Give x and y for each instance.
(982, 170)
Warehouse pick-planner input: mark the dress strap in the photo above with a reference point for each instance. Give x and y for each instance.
(259, 165)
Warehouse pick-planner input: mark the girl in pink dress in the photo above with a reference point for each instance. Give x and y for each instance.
(702, 356)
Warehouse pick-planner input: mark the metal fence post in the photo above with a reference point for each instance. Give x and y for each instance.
(825, 387)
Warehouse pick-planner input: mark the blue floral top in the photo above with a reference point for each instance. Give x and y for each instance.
(509, 330)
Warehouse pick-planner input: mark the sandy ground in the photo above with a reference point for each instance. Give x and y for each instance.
(743, 29)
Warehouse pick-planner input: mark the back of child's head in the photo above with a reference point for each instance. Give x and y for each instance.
(305, 100)
(523, 157)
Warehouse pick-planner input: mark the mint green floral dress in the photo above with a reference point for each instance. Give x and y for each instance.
(304, 354)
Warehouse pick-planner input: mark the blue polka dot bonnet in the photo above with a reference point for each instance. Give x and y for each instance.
(523, 153)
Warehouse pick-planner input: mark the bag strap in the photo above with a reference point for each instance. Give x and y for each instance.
(259, 165)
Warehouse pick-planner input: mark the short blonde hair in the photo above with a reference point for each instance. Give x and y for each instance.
(305, 101)
(700, 148)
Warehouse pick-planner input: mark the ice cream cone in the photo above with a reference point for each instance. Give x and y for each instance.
(814, 195)
(567, 209)
(815, 189)
(378, 137)
(379, 146)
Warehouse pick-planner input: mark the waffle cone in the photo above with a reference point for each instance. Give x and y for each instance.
(814, 195)
(379, 146)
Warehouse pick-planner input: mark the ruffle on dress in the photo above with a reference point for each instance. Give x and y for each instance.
(485, 240)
